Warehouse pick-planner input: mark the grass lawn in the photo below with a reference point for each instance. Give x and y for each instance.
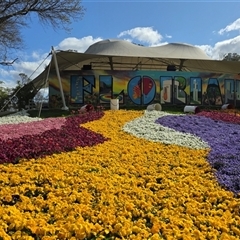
(46, 113)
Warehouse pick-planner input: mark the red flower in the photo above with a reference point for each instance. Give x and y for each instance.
(89, 108)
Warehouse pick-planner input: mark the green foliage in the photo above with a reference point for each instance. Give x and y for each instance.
(49, 113)
(24, 91)
(24, 94)
(4, 95)
(231, 57)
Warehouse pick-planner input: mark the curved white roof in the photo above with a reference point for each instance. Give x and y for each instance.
(116, 47)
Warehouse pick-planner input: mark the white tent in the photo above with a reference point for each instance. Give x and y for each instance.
(122, 48)
(123, 55)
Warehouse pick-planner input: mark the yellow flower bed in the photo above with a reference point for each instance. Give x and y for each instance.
(125, 188)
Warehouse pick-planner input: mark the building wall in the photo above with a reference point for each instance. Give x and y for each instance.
(144, 87)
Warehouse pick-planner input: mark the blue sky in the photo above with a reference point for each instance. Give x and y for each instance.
(214, 26)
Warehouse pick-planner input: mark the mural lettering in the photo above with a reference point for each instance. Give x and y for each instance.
(79, 85)
(105, 88)
(141, 90)
(143, 87)
(195, 90)
(172, 90)
(213, 94)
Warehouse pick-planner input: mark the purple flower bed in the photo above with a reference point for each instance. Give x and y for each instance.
(66, 138)
(224, 140)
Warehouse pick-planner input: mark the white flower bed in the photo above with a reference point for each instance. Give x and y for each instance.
(145, 127)
(17, 118)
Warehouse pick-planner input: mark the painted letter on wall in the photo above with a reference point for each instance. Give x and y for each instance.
(141, 90)
(79, 85)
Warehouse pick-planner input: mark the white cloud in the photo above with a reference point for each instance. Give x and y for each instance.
(168, 36)
(231, 27)
(221, 48)
(31, 69)
(143, 34)
(207, 49)
(36, 55)
(228, 46)
(78, 44)
(3, 72)
(10, 75)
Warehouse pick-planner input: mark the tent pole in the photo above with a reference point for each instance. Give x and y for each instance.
(45, 84)
(59, 80)
(181, 64)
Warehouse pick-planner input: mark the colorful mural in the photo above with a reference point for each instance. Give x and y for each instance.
(144, 87)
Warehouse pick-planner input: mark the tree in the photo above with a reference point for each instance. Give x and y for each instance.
(24, 91)
(14, 15)
(4, 95)
(231, 57)
(24, 79)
